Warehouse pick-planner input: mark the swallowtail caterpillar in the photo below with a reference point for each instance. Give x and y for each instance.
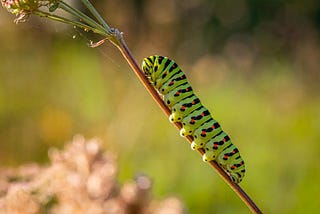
(172, 84)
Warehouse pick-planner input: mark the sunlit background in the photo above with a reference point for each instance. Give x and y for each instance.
(254, 64)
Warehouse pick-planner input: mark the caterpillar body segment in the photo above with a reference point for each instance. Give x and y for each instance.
(204, 133)
(179, 93)
(231, 160)
(177, 80)
(237, 170)
(194, 121)
(215, 146)
(182, 109)
(171, 82)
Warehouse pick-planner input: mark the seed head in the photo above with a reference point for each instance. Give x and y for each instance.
(19, 6)
(22, 8)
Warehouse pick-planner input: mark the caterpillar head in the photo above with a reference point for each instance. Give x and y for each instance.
(148, 65)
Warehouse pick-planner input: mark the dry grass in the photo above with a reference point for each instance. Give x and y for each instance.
(80, 179)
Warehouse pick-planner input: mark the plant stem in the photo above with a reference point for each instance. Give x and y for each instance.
(118, 40)
(83, 17)
(68, 21)
(95, 13)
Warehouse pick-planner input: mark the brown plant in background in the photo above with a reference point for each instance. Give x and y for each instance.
(79, 179)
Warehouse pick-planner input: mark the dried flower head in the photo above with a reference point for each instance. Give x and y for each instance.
(23, 8)
(47, 8)
(19, 6)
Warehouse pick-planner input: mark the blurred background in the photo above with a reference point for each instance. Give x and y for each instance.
(254, 64)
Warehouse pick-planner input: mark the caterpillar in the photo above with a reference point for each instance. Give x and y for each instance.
(196, 120)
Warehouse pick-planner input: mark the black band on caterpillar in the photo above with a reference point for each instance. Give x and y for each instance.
(171, 82)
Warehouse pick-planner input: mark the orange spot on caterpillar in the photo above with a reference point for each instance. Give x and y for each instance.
(203, 133)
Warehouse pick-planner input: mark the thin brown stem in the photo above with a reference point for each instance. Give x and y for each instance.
(118, 40)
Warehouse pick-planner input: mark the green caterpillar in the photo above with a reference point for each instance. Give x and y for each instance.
(172, 84)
